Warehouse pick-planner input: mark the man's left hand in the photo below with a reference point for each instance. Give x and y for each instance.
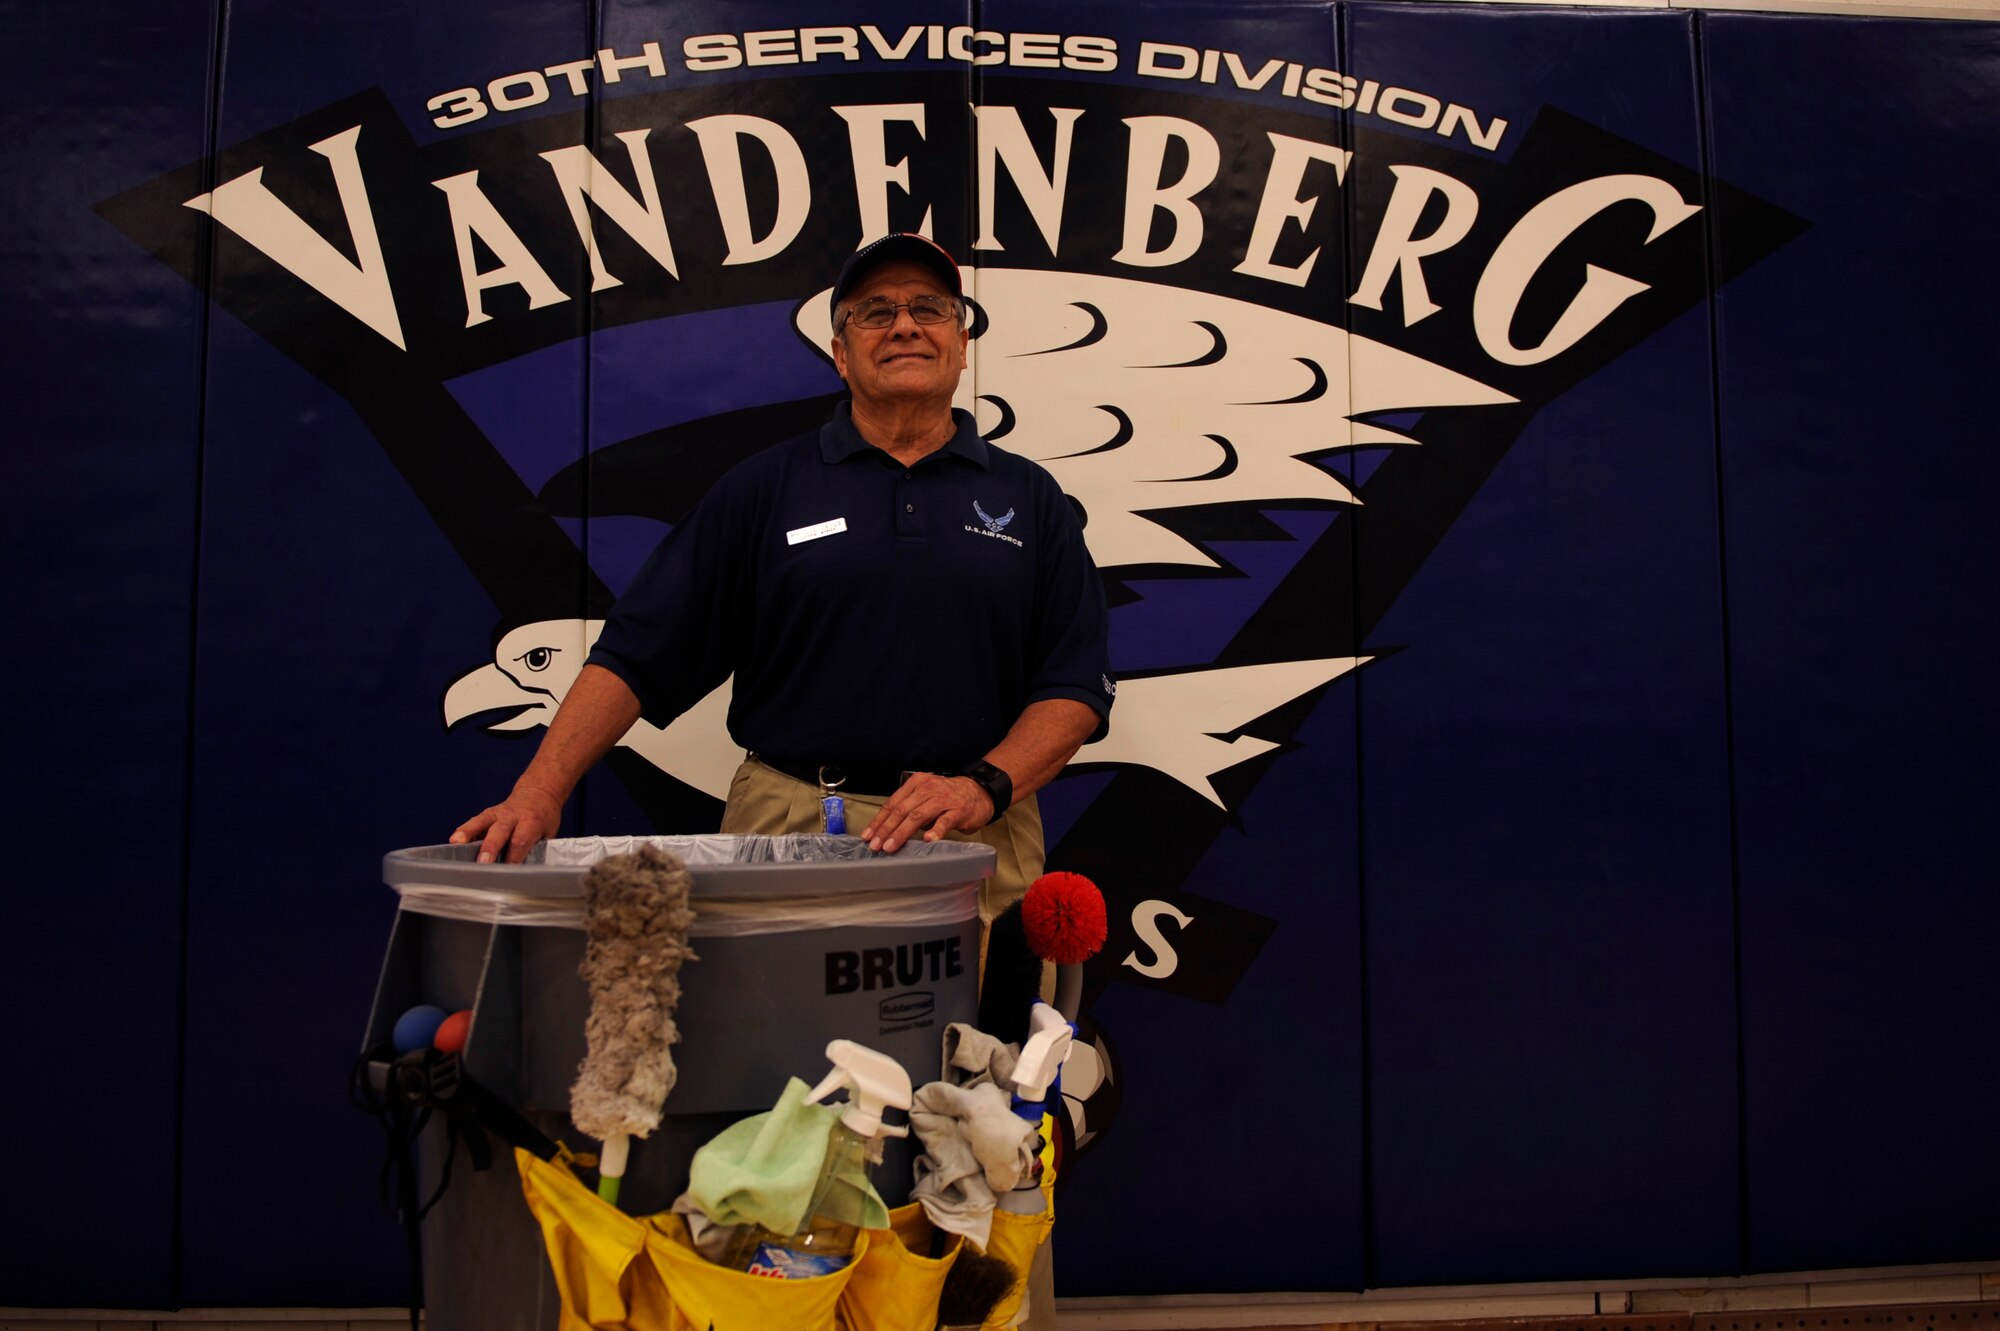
(931, 804)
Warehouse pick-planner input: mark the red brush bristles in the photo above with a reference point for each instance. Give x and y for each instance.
(1063, 915)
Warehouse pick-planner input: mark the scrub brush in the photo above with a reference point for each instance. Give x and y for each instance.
(635, 920)
(972, 1289)
(1063, 914)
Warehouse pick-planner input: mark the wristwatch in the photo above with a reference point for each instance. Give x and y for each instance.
(999, 787)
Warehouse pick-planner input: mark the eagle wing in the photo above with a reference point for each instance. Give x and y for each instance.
(1139, 397)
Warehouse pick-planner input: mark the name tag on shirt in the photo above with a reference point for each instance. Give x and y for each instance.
(800, 535)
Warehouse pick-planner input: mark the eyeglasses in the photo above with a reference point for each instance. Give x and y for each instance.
(877, 312)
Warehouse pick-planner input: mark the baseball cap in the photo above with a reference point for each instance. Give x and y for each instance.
(896, 245)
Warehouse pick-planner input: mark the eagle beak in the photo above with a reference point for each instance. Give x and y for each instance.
(489, 698)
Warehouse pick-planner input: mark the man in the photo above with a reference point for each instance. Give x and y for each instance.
(908, 610)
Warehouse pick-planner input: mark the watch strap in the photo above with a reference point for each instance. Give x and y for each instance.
(999, 787)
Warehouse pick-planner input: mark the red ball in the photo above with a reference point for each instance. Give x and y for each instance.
(1063, 916)
(452, 1032)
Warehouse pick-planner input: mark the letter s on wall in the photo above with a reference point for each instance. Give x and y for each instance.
(1146, 923)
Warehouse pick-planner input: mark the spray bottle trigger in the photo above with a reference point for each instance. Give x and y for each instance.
(828, 1084)
(873, 1079)
(1042, 1057)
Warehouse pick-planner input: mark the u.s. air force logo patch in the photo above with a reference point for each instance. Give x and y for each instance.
(992, 526)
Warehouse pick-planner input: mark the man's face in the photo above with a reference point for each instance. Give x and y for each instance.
(906, 363)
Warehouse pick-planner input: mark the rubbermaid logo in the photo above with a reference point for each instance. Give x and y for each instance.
(908, 1007)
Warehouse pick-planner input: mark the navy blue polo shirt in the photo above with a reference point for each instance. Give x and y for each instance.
(873, 615)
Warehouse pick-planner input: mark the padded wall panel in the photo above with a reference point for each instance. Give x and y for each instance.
(1229, 992)
(1531, 770)
(693, 371)
(1543, 763)
(103, 357)
(1858, 468)
(359, 529)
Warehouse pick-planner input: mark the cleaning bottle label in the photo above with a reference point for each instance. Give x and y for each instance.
(789, 1264)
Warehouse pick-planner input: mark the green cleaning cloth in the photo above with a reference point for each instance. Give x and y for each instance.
(761, 1170)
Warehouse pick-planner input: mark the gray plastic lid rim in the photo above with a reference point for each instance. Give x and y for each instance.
(849, 866)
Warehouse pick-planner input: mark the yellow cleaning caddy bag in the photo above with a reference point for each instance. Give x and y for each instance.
(894, 1287)
(1015, 1237)
(617, 1272)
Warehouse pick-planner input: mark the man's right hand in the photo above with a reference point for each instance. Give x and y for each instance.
(598, 708)
(510, 828)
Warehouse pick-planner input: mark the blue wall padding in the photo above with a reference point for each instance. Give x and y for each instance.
(104, 446)
(1271, 1119)
(1626, 917)
(1552, 1068)
(1857, 473)
(301, 684)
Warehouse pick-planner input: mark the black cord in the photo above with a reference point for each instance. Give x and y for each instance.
(415, 1086)
(403, 1121)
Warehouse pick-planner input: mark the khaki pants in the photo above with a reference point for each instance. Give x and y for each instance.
(765, 802)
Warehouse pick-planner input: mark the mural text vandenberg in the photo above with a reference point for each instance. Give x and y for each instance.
(761, 178)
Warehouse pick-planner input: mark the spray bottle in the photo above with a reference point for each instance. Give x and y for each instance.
(823, 1243)
(1038, 1081)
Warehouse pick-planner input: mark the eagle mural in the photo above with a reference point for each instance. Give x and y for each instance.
(1141, 399)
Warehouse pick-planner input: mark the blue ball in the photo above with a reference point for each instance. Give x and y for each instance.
(416, 1028)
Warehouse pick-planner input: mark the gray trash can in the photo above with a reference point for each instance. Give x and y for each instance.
(798, 940)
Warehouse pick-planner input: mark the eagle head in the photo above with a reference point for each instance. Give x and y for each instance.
(533, 666)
